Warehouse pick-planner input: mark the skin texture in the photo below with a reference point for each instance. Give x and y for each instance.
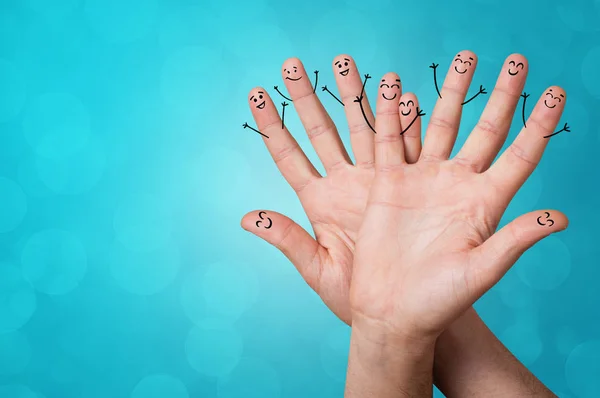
(336, 203)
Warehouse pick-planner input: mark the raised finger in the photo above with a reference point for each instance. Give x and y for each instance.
(411, 126)
(489, 135)
(445, 119)
(287, 154)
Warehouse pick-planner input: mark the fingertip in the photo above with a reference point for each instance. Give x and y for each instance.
(290, 63)
(342, 58)
(246, 221)
(409, 97)
(468, 55)
(256, 91)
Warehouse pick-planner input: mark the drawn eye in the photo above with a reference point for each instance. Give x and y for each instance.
(340, 66)
(260, 96)
(468, 62)
(402, 103)
(410, 102)
(255, 100)
(521, 65)
(345, 63)
(384, 84)
(558, 98)
(458, 59)
(550, 95)
(396, 86)
(511, 62)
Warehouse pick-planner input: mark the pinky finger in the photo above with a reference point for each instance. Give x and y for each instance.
(411, 126)
(290, 238)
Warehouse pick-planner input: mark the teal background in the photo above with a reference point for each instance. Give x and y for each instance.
(124, 172)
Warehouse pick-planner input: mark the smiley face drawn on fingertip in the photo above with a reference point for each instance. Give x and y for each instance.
(516, 66)
(343, 66)
(260, 215)
(547, 221)
(292, 73)
(462, 64)
(409, 104)
(258, 99)
(385, 85)
(553, 99)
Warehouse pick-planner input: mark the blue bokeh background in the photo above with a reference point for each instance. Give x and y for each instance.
(124, 172)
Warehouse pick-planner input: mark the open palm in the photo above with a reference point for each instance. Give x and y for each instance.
(427, 250)
(335, 203)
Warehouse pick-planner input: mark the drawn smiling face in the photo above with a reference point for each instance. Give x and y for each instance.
(392, 94)
(292, 74)
(342, 66)
(406, 108)
(553, 100)
(258, 98)
(462, 66)
(512, 65)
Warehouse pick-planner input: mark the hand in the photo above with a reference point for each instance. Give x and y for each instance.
(482, 90)
(426, 250)
(245, 125)
(434, 65)
(566, 128)
(335, 203)
(525, 95)
(420, 112)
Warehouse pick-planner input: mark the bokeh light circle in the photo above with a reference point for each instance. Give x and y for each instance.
(75, 174)
(213, 349)
(13, 93)
(54, 261)
(251, 378)
(523, 340)
(16, 353)
(546, 265)
(14, 205)
(56, 125)
(160, 386)
(17, 298)
(142, 222)
(228, 289)
(146, 272)
(582, 369)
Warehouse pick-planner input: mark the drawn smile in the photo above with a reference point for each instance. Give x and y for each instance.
(553, 106)
(511, 73)
(407, 113)
(261, 105)
(389, 99)
(463, 72)
(345, 72)
(289, 78)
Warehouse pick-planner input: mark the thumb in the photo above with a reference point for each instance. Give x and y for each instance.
(291, 239)
(496, 255)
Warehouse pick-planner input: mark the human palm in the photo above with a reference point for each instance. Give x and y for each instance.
(334, 203)
(427, 250)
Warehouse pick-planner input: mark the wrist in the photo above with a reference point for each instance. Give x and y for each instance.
(383, 364)
(392, 336)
